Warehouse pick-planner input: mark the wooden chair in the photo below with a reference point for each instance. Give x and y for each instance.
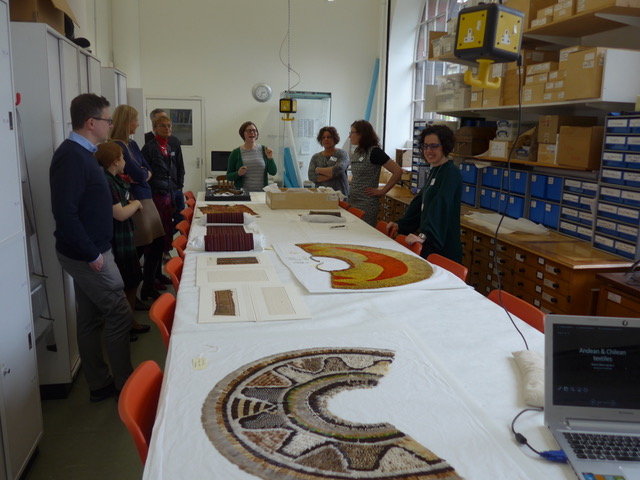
(415, 248)
(138, 403)
(458, 270)
(174, 268)
(356, 211)
(183, 227)
(191, 202)
(189, 195)
(343, 204)
(518, 307)
(187, 213)
(180, 243)
(223, 182)
(161, 313)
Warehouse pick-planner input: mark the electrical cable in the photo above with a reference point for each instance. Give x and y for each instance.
(502, 211)
(287, 38)
(557, 456)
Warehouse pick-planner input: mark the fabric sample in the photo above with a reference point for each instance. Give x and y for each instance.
(272, 419)
(370, 267)
(227, 239)
(226, 209)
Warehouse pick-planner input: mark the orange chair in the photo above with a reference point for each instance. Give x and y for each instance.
(174, 268)
(343, 204)
(138, 403)
(161, 313)
(381, 226)
(518, 307)
(191, 202)
(356, 211)
(180, 244)
(187, 213)
(183, 227)
(189, 195)
(415, 248)
(458, 270)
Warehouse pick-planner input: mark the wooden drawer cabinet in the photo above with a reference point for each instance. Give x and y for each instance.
(554, 272)
(617, 298)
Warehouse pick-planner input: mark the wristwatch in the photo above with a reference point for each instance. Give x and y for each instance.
(422, 236)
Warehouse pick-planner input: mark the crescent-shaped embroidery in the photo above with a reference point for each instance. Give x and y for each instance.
(370, 267)
(271, 418)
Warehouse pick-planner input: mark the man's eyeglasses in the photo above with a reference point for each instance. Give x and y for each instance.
(251, 130)
(108, 120)
(430, 146)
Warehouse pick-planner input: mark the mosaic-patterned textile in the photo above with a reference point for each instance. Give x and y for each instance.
(370, 267)
(271, 418)
(227, 239)
(225, 217)
(226, 209)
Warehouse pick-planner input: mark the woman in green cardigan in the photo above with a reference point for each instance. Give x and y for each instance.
(250, 163)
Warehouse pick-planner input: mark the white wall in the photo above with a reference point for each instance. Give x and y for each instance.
(218, 49)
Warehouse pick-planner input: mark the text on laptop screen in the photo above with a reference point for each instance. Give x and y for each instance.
(596, 366)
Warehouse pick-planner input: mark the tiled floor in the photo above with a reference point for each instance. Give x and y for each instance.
(84, 440)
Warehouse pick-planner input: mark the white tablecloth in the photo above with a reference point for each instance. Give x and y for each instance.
(453, 386)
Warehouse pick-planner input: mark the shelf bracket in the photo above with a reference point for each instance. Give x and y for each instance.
(622, 19)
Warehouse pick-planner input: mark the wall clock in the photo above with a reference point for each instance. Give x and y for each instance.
(262, 92)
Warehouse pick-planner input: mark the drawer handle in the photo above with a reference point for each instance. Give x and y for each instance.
(520, 284)
(502, 261)
(554, 300)
(556, 270)
(522, 270)
(555, 285)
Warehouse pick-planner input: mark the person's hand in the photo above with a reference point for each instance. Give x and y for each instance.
(137, 204)
(242, 171)
(392, 229)
(269, 153)
(97, 264)
(411, 239)
(374, 192)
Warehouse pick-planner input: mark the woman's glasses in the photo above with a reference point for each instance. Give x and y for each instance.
(430, 146)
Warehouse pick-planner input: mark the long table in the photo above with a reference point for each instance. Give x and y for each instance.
(453, 385)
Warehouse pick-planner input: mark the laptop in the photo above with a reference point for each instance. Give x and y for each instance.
(592, 393)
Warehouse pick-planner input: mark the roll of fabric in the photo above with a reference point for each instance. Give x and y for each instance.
(227, 239)
(229, 217)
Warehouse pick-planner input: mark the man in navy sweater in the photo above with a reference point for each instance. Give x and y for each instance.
(83, 210)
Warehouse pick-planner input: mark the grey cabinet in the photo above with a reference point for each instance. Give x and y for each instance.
(49, 72)
(20, 409)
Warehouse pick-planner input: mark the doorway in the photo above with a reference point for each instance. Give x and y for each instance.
(187, 116)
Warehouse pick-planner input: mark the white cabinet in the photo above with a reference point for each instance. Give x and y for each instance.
(114, 86)
(20, 410)
(49, 71)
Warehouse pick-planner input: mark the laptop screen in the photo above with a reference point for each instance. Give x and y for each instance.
(596, 366)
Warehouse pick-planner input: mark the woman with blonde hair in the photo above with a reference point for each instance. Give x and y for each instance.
(148, 230)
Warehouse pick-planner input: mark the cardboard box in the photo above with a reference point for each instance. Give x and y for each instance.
(587, 5)
(510, 88)
(499, 148)
(554, 86)
(536, 68)
(50, 12)
(473, 140)
(491, 97)
(532, 94)
(549, 125)
(556, 75)
(476, 98)
(538, 22)
(580, 147)
(544, 12)
(301, 199)
(563, 9)
(584, 73)
(537, 78)
(563, 55)
(547, 153)
(529, 8)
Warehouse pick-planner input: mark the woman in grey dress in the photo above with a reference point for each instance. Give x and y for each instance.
(329, 167)
(366, 163)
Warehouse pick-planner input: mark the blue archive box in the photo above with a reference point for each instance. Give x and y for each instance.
(469, 173)
(491, 177)
(469, 194)
(554, 188)
(536, 211)
(485, 198)
(538, 185)
(519, 181)
(515, 208)
(551, 215)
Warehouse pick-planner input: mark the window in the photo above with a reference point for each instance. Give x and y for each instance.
(434, 18)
